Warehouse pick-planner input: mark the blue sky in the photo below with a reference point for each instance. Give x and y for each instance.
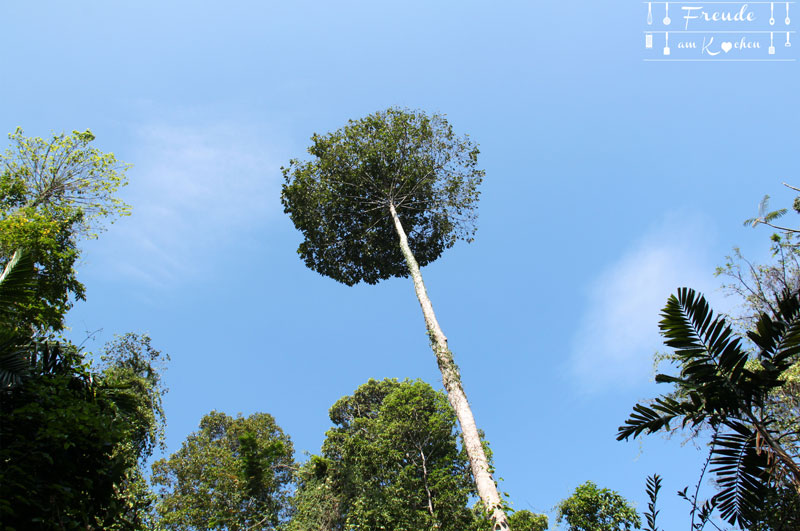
(610, 181)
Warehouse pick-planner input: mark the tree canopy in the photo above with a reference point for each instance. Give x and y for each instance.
(233, 474)
(391, 461)
(74, 437)
(73, 440)
(593, 509)
(53, 193)
(340, 199)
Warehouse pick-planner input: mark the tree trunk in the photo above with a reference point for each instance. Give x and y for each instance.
(487, 490)
(776, 449)
(427, 489)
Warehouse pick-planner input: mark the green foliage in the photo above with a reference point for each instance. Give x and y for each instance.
(765, 216)
(759, 286)
(340, 199)
(72, 439)
(392, 461)
(131, 377)
(71, 443)
(56, 466)
(525, 520)
(17, 286)
(132, 372)
(651, 515)
(232, 474)
(593, 509)
(64, 174)
(52, 193)
(717, 388)
(781, 511)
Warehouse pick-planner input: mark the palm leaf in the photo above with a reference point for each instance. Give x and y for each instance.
(712, 359)
(17, 284)
(763, 215)
(655, 417)
(715, 387)
(14, 358)
(778, 336)
(653, 486)
(741, 474)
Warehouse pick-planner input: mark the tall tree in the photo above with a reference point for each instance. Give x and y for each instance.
(53, 193)
(382, 197)
(758, 286)
(391, 461)
(234, 474)
(73, 438)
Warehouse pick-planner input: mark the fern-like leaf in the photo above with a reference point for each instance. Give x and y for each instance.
(741, 474)
(656, 417)
(17, 284)
(653, 486)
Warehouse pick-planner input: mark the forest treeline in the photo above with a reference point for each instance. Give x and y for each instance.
(76, 436)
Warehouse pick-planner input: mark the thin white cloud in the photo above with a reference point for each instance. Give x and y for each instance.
(193, 189)
(618, 334)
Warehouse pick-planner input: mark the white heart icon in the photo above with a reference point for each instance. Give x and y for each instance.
(726, 47)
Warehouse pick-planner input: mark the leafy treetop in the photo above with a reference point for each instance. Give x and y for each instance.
(63, 174)
(233, 474)
(391, 462)
(52, 193)
(594, 509)
(340, 200)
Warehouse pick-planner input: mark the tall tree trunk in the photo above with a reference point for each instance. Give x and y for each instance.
(487, 490)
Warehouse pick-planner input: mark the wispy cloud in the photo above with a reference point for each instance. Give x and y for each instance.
(618, 333)
(193, 189)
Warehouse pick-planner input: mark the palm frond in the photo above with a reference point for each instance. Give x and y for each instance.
(14, 358)
(653, 486)
(764, 216)
(741, 474)
(712, 359)
(17, 283)
(778, 336)
(714, 387)
(689, 326)
(655, 417)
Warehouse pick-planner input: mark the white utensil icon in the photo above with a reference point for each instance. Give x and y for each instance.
(787, 14)
(667, 20)
(648, 40)
(649, 13)
(788, 44)
(772, 13)
(771, 44)
(666, 43)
